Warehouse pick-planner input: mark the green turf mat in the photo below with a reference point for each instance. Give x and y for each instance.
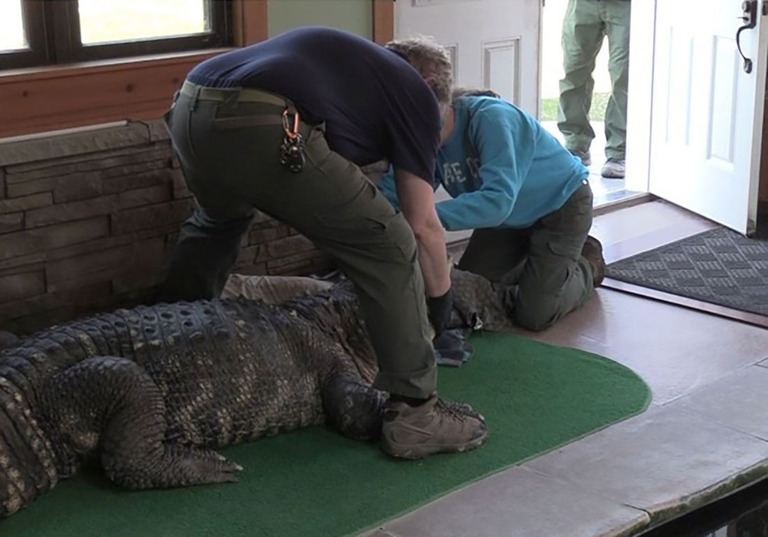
(314, 482)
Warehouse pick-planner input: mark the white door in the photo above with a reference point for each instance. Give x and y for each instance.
(706, 112)
(494, 43)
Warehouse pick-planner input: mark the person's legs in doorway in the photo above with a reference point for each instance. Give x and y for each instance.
(582, 38)
(617, 22)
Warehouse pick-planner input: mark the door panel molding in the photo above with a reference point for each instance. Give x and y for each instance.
(501, 68)
(496, 42)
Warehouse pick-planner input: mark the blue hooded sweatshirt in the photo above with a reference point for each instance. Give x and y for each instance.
(500, 167)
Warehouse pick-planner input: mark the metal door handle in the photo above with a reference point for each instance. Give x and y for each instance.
(749, 17)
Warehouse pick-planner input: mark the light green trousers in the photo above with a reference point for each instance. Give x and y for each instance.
(585, 26)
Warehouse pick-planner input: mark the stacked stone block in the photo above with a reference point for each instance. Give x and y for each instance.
(88, 220)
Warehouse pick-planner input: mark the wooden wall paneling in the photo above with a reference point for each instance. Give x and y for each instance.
(65, 97)
(383, 20)
(250, 21)
(60, 97)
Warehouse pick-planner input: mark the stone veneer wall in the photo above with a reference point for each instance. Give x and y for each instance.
(88, 220)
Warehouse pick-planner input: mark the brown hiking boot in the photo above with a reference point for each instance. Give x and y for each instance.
(437, 426)
(592, 251)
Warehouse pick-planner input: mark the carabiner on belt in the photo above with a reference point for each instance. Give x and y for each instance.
(292, 148)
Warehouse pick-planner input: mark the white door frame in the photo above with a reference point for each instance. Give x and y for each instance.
(640, 105)
(640, 96)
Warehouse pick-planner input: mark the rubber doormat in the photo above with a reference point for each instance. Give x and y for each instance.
(718, 266)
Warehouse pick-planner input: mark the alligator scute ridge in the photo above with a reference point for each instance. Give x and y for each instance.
(153, 391)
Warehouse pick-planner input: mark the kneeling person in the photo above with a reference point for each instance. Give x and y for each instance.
(529, 203)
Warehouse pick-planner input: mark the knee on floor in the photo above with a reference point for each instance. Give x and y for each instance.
(535, 319)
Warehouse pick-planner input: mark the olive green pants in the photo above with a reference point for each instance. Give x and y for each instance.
(585, 25)
(541, 266)
(229, 154)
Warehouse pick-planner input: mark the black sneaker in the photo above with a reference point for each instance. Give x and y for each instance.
(436, 426)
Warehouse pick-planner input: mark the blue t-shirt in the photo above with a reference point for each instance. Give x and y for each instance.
(374, 104)
(500, 167)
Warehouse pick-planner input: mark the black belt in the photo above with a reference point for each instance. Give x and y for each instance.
(240, 95)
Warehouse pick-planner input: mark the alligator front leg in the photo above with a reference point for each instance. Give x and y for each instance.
(111, 406)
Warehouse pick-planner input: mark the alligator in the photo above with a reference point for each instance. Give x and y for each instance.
(151, 392)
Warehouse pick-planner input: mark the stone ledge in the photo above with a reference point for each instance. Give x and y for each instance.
(78, 143)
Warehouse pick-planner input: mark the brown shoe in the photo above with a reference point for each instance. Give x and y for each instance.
(593, 252)
(436, 426)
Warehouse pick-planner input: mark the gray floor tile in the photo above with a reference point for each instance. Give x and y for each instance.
(667, 461)
(675, 457)
(674, 349)
(739, 401)
(518, 503)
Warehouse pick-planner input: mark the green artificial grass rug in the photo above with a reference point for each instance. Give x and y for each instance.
(314, 482)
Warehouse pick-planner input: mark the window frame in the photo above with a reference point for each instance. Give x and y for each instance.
(33, 20)
(54, 97)
(52, 30)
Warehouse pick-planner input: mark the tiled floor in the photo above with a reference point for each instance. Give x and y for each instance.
(703, 436)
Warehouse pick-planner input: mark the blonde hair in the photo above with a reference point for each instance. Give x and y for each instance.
(432, 62)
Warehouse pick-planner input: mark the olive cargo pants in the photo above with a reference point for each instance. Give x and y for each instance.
(229, 153)
(542, 265)
(585, 25)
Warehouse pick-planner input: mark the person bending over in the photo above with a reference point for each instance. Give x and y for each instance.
(284, 126)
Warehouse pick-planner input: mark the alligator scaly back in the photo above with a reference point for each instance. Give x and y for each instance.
(151, 391)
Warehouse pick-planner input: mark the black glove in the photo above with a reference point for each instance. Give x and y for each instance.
(439, 308)
(452, 347)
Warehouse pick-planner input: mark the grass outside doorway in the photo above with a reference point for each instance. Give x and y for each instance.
(596, 112)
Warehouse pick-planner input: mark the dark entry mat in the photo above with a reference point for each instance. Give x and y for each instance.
(718, 266)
